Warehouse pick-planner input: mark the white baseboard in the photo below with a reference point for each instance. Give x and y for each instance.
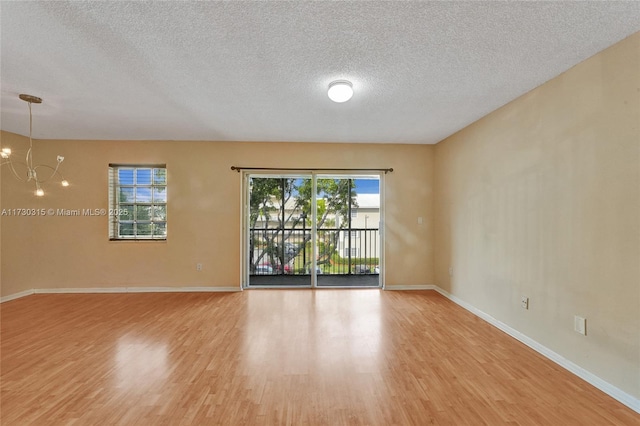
(162, 290)
(621, 396)
(16, 296)
(411, 287)
(182, 289)
(136, 290)
(80, 290)
(118, 290)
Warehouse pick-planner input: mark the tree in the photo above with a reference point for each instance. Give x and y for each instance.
(266, 194)
(268, 205)
(335, 197)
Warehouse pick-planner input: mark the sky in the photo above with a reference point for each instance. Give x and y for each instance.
(367, 186)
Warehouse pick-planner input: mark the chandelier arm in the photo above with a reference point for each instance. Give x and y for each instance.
(53, 174)
(27, 158)
(13, 170)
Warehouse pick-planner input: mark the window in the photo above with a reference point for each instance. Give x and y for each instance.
(354, 213)
(138, 202)
(349, 235)
(354, 252)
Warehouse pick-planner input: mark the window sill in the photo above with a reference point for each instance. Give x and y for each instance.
(138, 239)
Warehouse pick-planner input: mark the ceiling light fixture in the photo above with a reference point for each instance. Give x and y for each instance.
(340, 91)
(31, 170)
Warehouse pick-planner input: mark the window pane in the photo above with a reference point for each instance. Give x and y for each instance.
(125, 176)
(160, 194)
(143, 176)
(126, 229)
(143, 195)
(126, 195)
(143, 229)
(160, 212)
(143, 213)
(127, 213)
(160, 176)
(160, 229)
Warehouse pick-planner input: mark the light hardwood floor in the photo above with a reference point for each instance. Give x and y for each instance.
(262, 357)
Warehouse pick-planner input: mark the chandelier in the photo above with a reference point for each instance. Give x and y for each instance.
(32, 172)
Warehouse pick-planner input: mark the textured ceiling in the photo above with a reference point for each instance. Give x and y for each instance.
(258, 71)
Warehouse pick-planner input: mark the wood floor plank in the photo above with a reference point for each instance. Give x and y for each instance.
(278, 357)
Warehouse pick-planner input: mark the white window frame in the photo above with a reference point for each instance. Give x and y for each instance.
(121, 213)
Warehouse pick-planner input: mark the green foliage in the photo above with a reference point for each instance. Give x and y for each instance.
(263, 191)
(337, 259)
(327, 248)
(268, 199)
(160, 176)
(333, 199)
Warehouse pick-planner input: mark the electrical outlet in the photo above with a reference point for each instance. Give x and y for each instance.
(580, 325)
(198, 266)
(450, 271)
(524, 302)
(419, 220)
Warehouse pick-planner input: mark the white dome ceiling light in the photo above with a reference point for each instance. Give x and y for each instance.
(340, 91)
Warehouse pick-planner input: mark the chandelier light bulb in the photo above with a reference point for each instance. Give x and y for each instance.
(40, 192)
(5, 153)
(65, 183)
(340, 91)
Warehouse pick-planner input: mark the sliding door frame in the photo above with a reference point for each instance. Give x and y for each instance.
(313, 175)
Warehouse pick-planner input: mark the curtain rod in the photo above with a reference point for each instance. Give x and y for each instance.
(301, 169)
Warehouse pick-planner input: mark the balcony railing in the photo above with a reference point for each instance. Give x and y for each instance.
(354, 251)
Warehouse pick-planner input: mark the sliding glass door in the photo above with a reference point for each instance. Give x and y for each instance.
(348, 214)
(312, 230)
(279, 234)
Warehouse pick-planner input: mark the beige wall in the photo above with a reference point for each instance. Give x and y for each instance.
(74, 252)
(542, 198)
